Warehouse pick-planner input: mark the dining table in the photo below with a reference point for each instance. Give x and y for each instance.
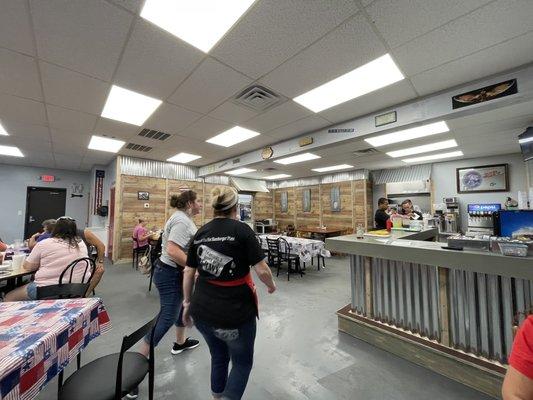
(38, 339)
(305, 248)
(328, 231)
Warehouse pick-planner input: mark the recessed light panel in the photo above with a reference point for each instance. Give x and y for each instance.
(128, 106)
(184, 158)
(10, 151)
(240, 171)
(278, 176)
(447, 144)
(297, 159)
(369, 77)
(233, 136)
(333, 168)
(434, 157)
(201, 23)
(408, 134)
(3, 132)
(105, 144)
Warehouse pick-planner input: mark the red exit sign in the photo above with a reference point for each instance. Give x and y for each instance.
(48, 178)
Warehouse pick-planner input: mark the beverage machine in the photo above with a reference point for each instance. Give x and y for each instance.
(447, 216)
(480, 218)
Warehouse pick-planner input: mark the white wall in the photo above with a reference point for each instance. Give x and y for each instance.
(14, 181)
(444, 181)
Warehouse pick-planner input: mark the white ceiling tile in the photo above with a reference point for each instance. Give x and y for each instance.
(74, 138)
(485, 27)
(13, 109)
(62, 160)
(155, 62)
(370, 103)
(171, 119)
(19, 75)
(272, 31)
(25, 130)
(44, 144)
(366, 3)
(231, 112)
(86, 36)
(300, 127)
(346, 48)
(205, 128)
(132, 5)
(278, 116)
(178, 144)
(116, 129)
(487, 62)
(400, 21)
(69, 89)
(209, 85)
(15, 28)
(70, 120)
(95, 157)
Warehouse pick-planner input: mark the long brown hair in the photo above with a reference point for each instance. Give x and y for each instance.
(182, 200)
(66, 230)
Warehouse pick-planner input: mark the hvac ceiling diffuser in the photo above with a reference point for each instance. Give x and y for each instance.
(153, 134)
(138, 147)
(258, 98)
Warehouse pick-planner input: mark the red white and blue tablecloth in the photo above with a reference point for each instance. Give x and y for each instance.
(39, 338)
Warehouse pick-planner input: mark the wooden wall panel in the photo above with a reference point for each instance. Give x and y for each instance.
(342, 219)
(176, 186)
(359, 203)
(311, 218)
(263, 206)
(284, 219)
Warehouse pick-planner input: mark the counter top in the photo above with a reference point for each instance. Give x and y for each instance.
(411, 247)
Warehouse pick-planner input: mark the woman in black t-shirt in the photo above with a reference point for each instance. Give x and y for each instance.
(224, 302)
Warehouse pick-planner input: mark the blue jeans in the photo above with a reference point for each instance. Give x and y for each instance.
(225, 344)
(169, 282)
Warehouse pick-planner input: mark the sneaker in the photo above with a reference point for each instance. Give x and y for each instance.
(189, 344)
(133, 394)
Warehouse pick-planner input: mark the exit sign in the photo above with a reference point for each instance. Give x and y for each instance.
(48, 178)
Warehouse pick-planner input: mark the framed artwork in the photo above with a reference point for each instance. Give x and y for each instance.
(335, 199)
(306, 200)
(284, 202)
(485, 178)
(143, 196)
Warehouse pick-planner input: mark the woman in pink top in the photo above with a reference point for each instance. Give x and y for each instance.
(50, 257)
(141, 235)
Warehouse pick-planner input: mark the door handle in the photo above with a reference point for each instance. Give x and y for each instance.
(31, 219)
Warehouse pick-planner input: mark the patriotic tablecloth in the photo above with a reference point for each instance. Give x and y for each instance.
(39, 338)
(304, 248)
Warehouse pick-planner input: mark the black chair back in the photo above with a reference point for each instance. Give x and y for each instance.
(273, 245)
(285, 248)
(69, 290)
(127, 343)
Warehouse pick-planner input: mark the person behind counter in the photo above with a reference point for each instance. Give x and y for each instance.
(381, 215)
(408, 210)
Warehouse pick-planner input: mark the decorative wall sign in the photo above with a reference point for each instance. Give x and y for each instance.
(306, 141)
(486, 93)
(99, 176)
(306, 200)
(485, 178)
(385, 119)
(284, 202)
(335, 199)
(267, 153)
(143, 196)
(77, 190)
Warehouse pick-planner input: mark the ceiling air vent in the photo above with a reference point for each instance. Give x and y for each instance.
(138, 147)
(153, 134)
(364, 152)
(258, 98)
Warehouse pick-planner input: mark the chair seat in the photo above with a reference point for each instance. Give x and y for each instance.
(96, 380)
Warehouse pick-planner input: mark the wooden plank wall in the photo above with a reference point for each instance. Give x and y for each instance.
(262, 205)
(288, 218)
(344, 218)
(311, 218)
(175, 187)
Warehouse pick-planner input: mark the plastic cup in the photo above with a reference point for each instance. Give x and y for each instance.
(18, 260)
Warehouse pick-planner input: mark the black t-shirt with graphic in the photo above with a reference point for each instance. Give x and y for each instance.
(223, 250)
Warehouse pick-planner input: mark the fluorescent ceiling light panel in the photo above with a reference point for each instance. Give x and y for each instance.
(447, 144)
(521, 141)
(333, 168)
(3, 132)
(128, 106)
(278, 176)
(184, 158)
(10, 151)
(105, 144)
(297, 159)
(434, 157)
(201, 23)
(232, 136)
(367, 78)
(240, 171)
(408, 134)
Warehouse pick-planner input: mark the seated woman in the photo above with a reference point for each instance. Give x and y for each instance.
(50, 257)
(3, 246)
(140, 236)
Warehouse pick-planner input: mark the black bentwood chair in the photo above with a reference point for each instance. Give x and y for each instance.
(113, 376)
(292, 260)
(69, 290)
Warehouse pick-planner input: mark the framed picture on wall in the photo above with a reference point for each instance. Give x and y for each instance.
(284, 202)
(143, 196)
(335, 199)
(485, 178)
(306, 200)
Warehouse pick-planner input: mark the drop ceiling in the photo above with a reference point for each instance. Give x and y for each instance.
(59, 59)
